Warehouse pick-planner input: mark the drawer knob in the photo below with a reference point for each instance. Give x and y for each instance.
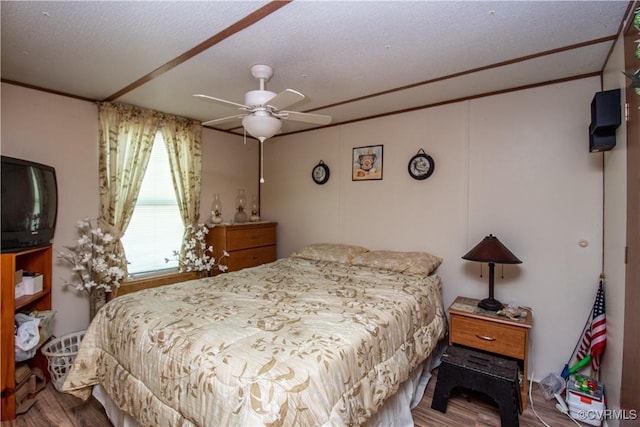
(485, 338)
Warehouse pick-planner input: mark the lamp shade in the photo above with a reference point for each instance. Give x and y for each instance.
(261, 126)
(490, 249)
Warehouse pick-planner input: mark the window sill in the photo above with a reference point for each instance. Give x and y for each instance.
(152, 282)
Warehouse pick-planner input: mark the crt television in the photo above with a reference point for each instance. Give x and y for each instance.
(29, 204)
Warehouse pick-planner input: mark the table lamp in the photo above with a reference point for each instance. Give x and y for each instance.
(491, 251)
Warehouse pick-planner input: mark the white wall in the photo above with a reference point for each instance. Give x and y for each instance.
(228, 164)
(63, 132)
(516, 165)
(615, 220)
(533, 179)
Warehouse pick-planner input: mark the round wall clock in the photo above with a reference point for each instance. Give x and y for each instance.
(320, 173)
(421, 166)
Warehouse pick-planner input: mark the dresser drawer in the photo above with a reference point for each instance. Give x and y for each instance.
(242, 238)
(489, 336)
(250, 257)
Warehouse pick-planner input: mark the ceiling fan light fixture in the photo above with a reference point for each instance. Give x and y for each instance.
(263, 110)
(257, 98)
(261, 126)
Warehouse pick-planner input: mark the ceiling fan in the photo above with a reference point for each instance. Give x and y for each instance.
(262, 110)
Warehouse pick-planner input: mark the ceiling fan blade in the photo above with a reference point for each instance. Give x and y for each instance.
(223, 120)
(285, 99)
(318, 119)
(220, 100)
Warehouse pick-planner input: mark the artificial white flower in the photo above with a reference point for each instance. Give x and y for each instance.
(197, 255)
(95, 260)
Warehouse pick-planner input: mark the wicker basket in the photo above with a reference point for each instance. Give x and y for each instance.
(61, 353)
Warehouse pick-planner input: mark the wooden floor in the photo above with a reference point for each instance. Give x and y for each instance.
(464, 409)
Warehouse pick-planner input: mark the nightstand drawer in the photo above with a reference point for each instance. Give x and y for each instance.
(489, 336)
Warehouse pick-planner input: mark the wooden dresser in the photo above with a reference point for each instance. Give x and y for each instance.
(248, 244)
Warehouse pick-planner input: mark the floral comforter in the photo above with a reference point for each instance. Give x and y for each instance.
(294, 342)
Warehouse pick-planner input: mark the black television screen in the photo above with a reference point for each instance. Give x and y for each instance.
(29, 204)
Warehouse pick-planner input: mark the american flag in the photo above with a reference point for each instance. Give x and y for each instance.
(594, 338)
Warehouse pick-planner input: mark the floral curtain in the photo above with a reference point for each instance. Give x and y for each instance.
(183, 138)
(126, 138)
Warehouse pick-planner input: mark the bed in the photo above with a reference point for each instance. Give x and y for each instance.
(328, 336)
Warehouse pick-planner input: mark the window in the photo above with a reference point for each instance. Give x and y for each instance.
(156, 228)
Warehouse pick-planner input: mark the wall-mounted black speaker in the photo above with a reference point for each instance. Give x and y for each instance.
(606, 116)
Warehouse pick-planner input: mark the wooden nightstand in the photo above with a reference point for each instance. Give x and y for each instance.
(474, 327)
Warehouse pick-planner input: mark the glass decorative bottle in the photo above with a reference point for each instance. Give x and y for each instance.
(241, 201)
(216, 209)
(254, 209)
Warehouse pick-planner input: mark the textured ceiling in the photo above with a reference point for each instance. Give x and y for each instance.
(352, 59)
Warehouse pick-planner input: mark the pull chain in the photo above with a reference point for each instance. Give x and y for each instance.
(261, 162)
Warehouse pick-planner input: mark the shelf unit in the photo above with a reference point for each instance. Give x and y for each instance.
(37, 260)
